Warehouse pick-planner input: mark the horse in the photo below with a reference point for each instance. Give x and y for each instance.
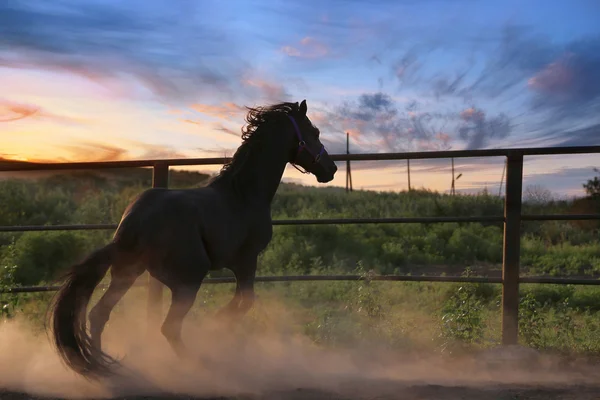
(179, 235)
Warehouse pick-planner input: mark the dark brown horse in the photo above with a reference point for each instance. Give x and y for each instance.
(180, 235)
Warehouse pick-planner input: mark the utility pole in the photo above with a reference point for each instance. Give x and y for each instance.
(452, 187)
(408, 173)
(348, 170)
(502, 180)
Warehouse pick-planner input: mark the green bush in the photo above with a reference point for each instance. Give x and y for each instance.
(40, 256)
(344, 312)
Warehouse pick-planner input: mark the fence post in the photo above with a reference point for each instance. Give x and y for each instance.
(160, 179)
(511, 249)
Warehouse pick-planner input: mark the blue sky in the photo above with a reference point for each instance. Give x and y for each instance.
(135, 79)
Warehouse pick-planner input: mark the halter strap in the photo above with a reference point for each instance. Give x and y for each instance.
(302, 144)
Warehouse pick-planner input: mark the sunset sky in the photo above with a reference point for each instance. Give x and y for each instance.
(136, 79)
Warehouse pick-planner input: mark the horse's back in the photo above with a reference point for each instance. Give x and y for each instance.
(161, 220)
(156, 215)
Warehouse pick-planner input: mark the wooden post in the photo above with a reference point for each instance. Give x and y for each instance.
(160, 179)
(512, 249)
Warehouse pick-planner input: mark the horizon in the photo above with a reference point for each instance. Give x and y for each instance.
(105, 81)
(532, 192)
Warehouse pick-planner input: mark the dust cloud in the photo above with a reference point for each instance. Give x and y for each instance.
(248, 359)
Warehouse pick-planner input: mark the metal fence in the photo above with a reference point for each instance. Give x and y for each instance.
(511, 219)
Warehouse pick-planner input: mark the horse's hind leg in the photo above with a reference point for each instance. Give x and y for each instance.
(185, 275)
(183, 298)
(122, 278)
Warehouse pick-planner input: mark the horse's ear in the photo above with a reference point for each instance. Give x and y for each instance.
(303, 107)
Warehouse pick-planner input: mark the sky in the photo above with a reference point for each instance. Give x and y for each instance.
(113, 80)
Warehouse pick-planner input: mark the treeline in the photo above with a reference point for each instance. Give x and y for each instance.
(554, 247)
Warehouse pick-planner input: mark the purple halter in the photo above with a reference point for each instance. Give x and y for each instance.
(302, 146)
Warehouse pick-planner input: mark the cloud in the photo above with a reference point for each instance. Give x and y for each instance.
(544, 75)
(14, 111)
(172, 51)
(224, 129)
(519, 54)
(266, 90)
(308, 47)
(477, 131)
(566, 180)
(94, 151)
(152, 152)
(377, 123)
(555, 79)
(587, 136)
(570, 84)
(533, 84)
(11, 111)
(84, 151)
(217, 127)
(220, 111)
(563, 80)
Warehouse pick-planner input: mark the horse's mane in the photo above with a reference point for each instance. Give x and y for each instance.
(255, 119)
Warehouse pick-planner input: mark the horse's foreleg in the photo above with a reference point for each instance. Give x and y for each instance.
(233, 304)
(244, 296)
(247, 294)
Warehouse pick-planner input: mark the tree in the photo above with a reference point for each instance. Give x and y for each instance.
(537, 195)
(592, 187)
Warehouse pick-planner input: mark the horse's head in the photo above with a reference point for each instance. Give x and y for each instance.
(307, 151)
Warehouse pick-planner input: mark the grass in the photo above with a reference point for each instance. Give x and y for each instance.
(419, 316)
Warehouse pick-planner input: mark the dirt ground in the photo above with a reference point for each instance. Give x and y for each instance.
(390, 391)
(275, 364)
(499, 375)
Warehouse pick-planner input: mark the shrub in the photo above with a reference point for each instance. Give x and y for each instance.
(40, 256)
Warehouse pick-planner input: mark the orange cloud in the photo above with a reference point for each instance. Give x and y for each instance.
(307, 48)
(85, 151)
(13, 111)
(217, 127)
(223, 111)
(557, 77)
(272, 91)
(227, 130)
(93, 151)
(152, 151)
(472, 114)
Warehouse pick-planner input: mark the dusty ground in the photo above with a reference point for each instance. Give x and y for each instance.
(496, 375)
(395, 391)
(273, 364)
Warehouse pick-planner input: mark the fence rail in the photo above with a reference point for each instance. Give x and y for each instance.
(352, 278)
(175, 162)
(511, 220)
(328, 221)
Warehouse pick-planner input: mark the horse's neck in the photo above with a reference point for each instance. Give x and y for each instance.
(260, 175)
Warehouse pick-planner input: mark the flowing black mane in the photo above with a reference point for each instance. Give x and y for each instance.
(255, 119)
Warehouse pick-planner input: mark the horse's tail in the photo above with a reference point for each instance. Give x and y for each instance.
(73, 343)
